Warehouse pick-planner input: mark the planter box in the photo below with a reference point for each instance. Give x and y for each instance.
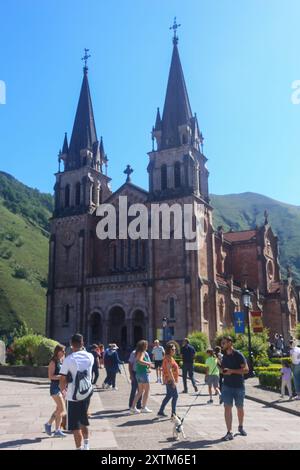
(25, 371)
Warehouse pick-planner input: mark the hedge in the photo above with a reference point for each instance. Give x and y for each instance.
(270, 380)
(199, 341)
(279, 360)
(33, 350)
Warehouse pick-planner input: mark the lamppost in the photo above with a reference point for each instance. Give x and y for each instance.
(164, 325)
(246, 297)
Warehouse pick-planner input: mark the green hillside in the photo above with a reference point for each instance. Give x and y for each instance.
(246, 210)
(24, 214)
(24, 225)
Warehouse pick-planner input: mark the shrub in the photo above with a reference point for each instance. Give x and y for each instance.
(21, 273)
(199, 341)
(45, 351)
(270, 380)
(200, 368)
(259, 341)
(200, 357)
(262, 360)
(33, 350)
(274, 368)
(278, 360)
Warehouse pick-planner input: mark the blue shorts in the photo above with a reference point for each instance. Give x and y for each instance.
(142, 378)
(231, 393)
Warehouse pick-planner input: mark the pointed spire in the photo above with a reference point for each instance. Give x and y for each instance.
(177, 109)
(157, 126)
(65, 147)
(84, 130)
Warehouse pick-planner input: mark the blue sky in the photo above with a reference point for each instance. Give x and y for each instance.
(239, 59)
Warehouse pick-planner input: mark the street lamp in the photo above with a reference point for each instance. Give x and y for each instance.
(246, 298)
(164, 325)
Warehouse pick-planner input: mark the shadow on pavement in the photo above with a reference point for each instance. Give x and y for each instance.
(205, 443)
(136, 423)
(21, 442)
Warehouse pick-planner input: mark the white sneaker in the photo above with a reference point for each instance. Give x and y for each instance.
(146, 410)
(134, 411)
(115, 389)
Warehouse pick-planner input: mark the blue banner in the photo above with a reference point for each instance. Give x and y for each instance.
(239, 322)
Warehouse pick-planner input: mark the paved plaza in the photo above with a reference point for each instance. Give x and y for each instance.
(24, 408)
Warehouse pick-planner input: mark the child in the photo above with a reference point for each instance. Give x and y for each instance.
(212, 374)
(286, 379)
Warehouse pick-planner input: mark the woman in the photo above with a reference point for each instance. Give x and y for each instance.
(170, 370)
(101, 354)
(143, 365)
(53, 374)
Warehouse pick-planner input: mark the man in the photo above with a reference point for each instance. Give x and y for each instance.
(134, 384)
(75, 371)
(295, 358)
(158, 353)
(96, 365)
(188, 354)
(234, 367)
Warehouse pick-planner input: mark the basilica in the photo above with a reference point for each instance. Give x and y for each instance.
(124, 290)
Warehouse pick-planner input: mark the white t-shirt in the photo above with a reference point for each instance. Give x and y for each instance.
(158, 353)
(295, 355)
(77, 361)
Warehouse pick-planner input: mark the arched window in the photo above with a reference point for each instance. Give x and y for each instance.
(172, 311)
(177, 175)
(77, 194)
(66, 318)
(67, 196)
(163, 177)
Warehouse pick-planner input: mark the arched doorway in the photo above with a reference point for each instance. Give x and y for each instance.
(96, 329)
(117, 331)
(138, 325)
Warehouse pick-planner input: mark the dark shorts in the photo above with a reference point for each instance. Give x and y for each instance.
(54, 389)
(77, 414)
(231, 393)
(158, 364)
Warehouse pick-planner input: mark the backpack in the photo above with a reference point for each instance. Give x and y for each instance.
(83, 386)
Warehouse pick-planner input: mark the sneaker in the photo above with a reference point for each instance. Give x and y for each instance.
(86, 446)
(291, 398)
(135, 411)
(115, 389)
(220, 399)
(162, 413)
(184, 391)
(47, 428)
(196, 388)
(210, 401)
(228, 437)
(242, 431)
(146, 410)
(59, 433)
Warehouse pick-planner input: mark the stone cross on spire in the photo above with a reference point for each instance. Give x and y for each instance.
(175, 27)
(128, 172)
(85, 58)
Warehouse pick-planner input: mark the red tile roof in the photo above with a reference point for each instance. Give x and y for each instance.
(240, 236)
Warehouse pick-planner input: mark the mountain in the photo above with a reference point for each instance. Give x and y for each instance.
(24, 237)
(24, 225)
(246, 210)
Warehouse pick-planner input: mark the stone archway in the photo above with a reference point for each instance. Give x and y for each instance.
(138, 326)
(117, 330)
(95, 328)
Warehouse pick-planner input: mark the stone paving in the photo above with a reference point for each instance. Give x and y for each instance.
(24, 408)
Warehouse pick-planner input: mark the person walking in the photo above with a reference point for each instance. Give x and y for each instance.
(55, 393)
(212, 374)
(170, 370)
(76, 377)
(219, 356)
(295, 357)
(158, 354)
(286, 379)
(112, 364)
(188, 353)
(234, 366)
(101, 354)
(134, 384)
(143, 365)
(96, 365)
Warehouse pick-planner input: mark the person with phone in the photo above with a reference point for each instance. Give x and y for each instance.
(233, 366)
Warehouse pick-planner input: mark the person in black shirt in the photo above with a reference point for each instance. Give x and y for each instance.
(96, 365)
(188, 354)
(234, 367)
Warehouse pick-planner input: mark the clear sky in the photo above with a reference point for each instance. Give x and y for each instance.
(239, 57)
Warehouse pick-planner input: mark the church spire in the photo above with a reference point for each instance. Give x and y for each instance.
(84, 133)
(177, 113)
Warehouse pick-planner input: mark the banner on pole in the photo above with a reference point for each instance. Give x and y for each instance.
(159, 334)
(256, 322)
(239, 322)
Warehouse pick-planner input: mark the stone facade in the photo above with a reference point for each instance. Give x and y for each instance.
(120, 290)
